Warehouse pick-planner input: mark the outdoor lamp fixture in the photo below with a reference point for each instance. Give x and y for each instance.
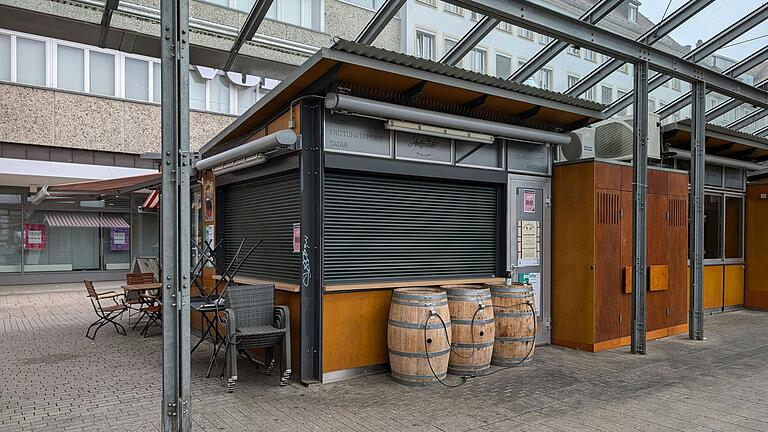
(246, 162)
(356, 105)
(435, 131)
(248, 154)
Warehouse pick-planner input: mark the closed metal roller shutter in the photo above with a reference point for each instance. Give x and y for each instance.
(382, 228)
(263, 208)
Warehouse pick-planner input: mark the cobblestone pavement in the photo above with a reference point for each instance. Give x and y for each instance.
(53, 378)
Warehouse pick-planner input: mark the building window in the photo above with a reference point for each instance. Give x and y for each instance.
(156, 82)
(70, 68)
(218, 94)
(503, 66)
(136, 79)
(675, 84)
(474, 16)
(651, 105)
(713, 226)
(525, 33)
(734, 215)
(11, 237)
(448, 45)
(477, 60)
(452, 8)
(506, 27)
(425, 45)
(606, 95)
(544, 39)
(296, 12)
(590, 55)
(572, 80)
(102, 73)
(5, 57)
(590, 94)
(246, 98)
(574, 50)
(632, 13)
(30, 61)
(197, 91)
(545, 78)
(432, 3)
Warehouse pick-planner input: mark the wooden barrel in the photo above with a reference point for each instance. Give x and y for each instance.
(515, 324)
(411, 351)
(472, 343)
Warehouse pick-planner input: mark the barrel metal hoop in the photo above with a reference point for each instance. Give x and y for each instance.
(421, 305)
(514, 314)
(410, 325)
(432, 354)
(514, 339)
(469, 321)
(474, 345)
(435, 296)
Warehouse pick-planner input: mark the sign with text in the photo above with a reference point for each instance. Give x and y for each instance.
(528, 157)
(356, 135)
(422, 147)
(119, 239)
(296, 238)
(34, 236)
(529, 201)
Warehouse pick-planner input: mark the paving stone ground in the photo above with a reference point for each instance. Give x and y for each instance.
(54, 379)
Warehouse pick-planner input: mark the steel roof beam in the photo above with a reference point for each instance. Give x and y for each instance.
(747, 119)
(376, 25)
(110, 6)
(763, 132)
(731, 104)
(653, 35)
(596, 13)
(248, 30)
(477, 33)
(701, 52)
(734, 71)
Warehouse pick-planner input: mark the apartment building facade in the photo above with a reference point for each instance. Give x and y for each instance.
(72, 111)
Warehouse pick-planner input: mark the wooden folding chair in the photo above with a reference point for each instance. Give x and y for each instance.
(107, 314)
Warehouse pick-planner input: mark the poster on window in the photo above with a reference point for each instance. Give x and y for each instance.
(119, 239)
(34, 236)
(529, 201)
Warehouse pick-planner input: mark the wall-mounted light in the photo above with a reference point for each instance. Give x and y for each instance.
(436, 131)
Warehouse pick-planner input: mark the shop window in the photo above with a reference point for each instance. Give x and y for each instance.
(10, 230)
(136, 79)
(713, 226)
(734, 208)
(713, 175)
(102, 73)
(30, 61)
(70, 68)
(116, 246)
(5, 57)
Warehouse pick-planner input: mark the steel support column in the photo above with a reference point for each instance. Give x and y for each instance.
(477, 33)
(106, 19)
(376, 25)
(251, 24)
(175, 208)
(650, 37)
(639, 207)
(696, 213)
(311, 180)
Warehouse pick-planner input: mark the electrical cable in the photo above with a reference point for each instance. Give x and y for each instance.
(745, 41)
(465, 378)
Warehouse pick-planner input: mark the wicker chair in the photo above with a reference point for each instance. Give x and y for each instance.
(107, 314)
(253, 321)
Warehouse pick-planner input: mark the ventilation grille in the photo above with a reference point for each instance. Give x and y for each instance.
(678, 212)
(608, 208)
(613, 139)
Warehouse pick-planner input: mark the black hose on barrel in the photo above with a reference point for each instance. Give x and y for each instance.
(465, 378)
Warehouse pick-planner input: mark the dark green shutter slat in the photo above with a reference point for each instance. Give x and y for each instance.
(263, 208)
(382, 228)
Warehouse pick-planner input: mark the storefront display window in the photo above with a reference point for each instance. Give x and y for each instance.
(723, 227)
(713, 224)
(734, 216)
(10, 230)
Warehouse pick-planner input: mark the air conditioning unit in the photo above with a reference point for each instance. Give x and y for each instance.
(582, 146)
(614, 138)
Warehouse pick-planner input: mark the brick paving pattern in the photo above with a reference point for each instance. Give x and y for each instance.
(54, 379)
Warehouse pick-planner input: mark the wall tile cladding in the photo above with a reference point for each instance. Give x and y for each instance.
(69, 120)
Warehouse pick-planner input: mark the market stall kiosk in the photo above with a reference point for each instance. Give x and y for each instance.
(731, 243)
(368, 170)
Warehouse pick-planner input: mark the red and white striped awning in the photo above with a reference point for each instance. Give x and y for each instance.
(85, 220)
(152, 201)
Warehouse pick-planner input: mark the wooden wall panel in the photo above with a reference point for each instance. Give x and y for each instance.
(355, 329)
(573, 243)
(625, 302)
(734, 285)
(608, 272)
(756, 248)
(293, 301)
(657, 182)
(656, 301)
(677, 234)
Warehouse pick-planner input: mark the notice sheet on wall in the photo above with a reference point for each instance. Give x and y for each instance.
(528, 243)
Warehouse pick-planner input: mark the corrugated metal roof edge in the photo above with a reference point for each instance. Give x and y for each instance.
(719, 129)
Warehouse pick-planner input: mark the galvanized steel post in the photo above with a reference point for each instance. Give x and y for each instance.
(696, 211)
(639, 214)
(176, 164)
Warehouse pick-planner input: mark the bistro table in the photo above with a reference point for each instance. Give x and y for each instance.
(136, 290)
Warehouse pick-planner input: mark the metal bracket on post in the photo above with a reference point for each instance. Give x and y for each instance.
(696, 210)
(175, 210)
(639, 210)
